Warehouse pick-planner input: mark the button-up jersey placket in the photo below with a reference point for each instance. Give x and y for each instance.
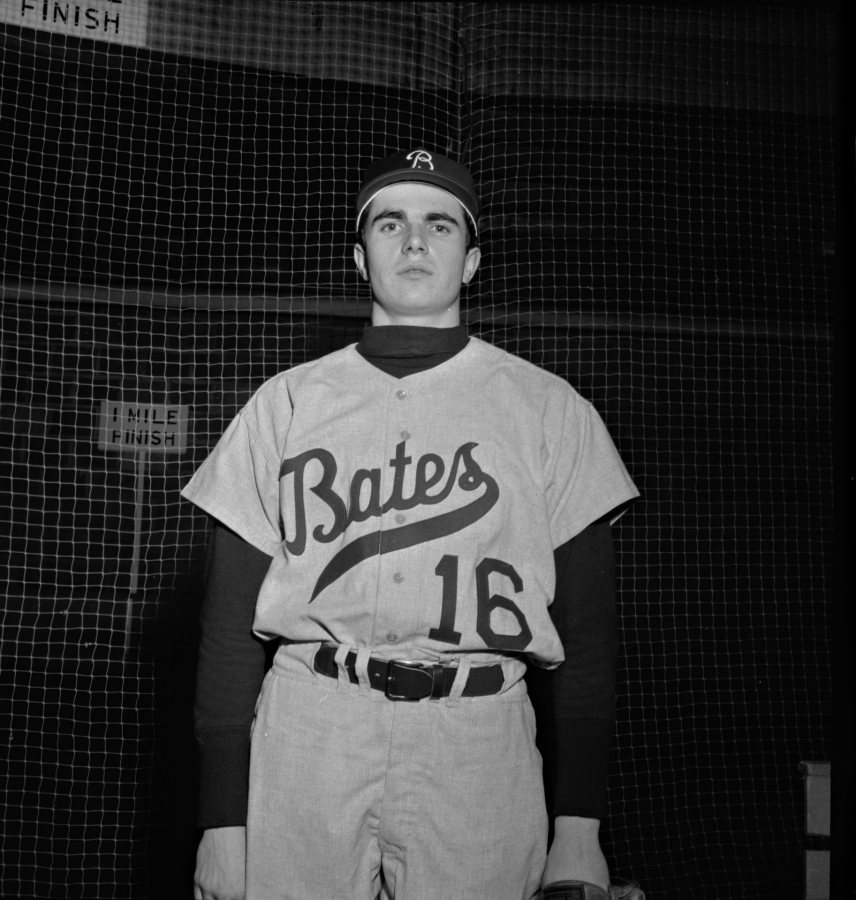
(396, 615)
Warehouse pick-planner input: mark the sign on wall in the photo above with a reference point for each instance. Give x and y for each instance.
(143, 427)
(114, 21)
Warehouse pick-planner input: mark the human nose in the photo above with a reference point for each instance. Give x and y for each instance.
(414, 240)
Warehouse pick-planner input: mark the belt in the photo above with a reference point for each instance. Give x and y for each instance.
(404, 680)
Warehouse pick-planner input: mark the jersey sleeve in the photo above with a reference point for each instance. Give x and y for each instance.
(238, 483)
(585, 477)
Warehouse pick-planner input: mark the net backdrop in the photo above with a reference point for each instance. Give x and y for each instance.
(658, 228)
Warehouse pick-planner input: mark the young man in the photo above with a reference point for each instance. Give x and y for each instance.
(399, 517)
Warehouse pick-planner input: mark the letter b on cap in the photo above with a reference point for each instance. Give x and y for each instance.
(421, 159)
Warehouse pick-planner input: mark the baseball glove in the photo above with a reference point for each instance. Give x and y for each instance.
(582, 890)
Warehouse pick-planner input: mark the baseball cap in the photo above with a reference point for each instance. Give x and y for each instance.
(423, 166)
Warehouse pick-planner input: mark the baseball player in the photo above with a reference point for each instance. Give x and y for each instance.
(409, 523)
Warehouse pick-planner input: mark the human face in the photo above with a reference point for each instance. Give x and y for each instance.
(415, 255)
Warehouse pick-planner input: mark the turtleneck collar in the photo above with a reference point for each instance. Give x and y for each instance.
(402, 350)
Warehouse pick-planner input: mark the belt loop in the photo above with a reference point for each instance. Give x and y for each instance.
(459, 683)
(344, 680)
(361, 668)
(438, 682)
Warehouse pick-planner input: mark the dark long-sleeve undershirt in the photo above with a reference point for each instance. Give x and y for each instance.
(574, 704)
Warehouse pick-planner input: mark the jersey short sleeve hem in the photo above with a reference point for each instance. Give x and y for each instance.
(582, 476)
(586, 478)
(236, 484)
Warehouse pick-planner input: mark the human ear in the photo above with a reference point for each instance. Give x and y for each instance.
(471, 263)
(360, 261)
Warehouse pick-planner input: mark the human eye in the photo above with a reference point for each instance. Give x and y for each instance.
(442, 225)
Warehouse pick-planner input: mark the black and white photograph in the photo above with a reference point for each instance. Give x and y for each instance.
(425, 450)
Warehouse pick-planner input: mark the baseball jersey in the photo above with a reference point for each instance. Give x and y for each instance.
(418, 516)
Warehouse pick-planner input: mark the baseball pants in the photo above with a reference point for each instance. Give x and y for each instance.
(357, 797)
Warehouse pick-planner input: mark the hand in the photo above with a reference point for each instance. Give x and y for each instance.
(576, 854)
(221, 860)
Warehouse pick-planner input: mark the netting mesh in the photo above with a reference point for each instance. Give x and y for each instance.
(658, 228)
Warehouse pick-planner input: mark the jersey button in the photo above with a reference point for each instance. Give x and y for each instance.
(401, 393)
(405, 435)
(398, 578)
(400, 518)
(392, 637)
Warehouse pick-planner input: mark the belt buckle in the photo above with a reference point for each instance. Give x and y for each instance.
(391, 687)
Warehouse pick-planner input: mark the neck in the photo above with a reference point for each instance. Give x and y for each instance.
(447, 318)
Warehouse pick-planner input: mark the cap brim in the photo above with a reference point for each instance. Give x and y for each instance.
(415, 175)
